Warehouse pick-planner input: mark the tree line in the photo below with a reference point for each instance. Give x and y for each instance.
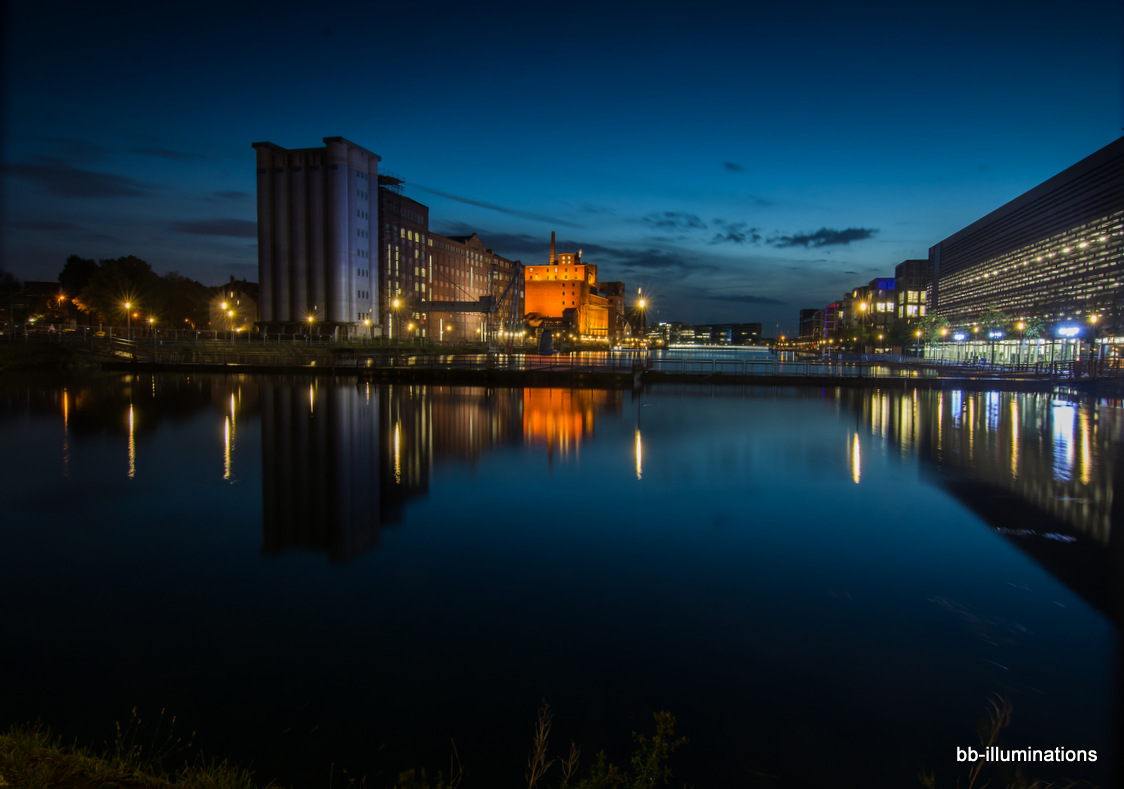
(102, 288)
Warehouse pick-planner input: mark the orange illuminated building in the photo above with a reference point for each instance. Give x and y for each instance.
(564, 293)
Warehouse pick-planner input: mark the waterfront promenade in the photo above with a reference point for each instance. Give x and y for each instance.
(594, 369)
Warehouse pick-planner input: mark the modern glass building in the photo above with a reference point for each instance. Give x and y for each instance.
(1055, 253)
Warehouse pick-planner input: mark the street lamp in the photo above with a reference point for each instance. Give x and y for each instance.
(643, 317)
(128, 322)
(152, 326)
(394, 320)
(310, 321)
(1093, 337)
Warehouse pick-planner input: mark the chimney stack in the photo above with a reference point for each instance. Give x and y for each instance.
(551, 246)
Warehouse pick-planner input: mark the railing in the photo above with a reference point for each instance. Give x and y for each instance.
(193, 350)
(855, 368)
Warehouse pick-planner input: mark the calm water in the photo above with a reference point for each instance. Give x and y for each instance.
(823, 586)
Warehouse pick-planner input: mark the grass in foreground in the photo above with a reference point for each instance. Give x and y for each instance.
(156, 758)
(32, 758)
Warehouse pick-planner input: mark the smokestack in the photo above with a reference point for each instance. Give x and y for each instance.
(551, 246)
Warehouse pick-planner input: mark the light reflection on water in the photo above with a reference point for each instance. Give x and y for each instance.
(793, 573)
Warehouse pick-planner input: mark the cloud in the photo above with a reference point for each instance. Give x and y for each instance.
(63, 180)
(230, 195)
(733, 167)
(168, 153)
(75, 148)
(664, 259)
(235, 228)
(746, 299)
(735, 233)
(47, 226)
(105, 238)
(823, 238)
(493, 207)
(514, 246)
(674, 220)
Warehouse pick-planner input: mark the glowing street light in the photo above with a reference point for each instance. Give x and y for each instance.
(640, 304)
(395, 319)
(128, 321)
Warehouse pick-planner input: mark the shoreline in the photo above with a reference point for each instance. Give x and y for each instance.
(482, 369)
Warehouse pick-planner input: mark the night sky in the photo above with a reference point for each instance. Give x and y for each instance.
(736, 161)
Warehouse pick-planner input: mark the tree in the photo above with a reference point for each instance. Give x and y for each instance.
(116, 282)
(183, 303)
(1033, 328)
(994, 319)
(901, 333)
(76, 274)
(932, 328)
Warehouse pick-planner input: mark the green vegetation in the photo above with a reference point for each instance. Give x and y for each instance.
(994, 318)
(32, 758)
(1033, 328)
(101, 288)
(932, 328)
(155, 757)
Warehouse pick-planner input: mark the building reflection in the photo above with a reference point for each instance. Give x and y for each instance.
(321, 468)
(1041, 469)
(560, 419)
(340, 463)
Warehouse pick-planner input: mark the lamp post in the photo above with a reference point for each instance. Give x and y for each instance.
(1093, 340)
(128, 321)
(393, 320)
(863, 307)
(310, 321)
(640, 303)
(152, 326)
(1021, 326)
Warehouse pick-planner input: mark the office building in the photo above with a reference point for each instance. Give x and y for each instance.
(911, 283)
(1055, 252)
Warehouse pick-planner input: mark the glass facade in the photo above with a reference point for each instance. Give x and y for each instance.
(1055, 252)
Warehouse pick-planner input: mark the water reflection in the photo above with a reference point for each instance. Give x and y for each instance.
(742, 550)
(561, 419)
(1056, 455)
(340, 461)
(1039, 467)
(335, 473)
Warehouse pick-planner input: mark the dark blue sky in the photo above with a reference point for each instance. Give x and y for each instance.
(738, 162)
